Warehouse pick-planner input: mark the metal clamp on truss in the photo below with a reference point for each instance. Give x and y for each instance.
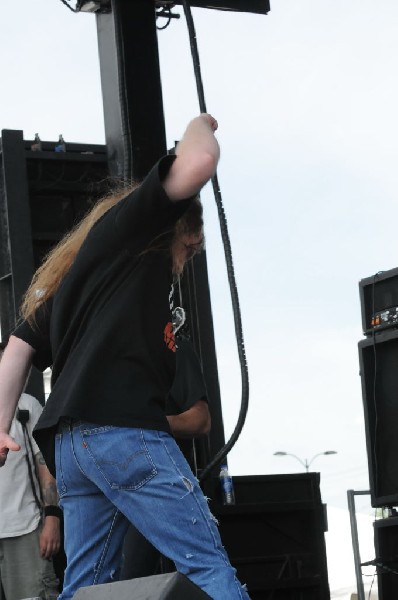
(94, 6)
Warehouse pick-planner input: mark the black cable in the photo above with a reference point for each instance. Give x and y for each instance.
(68, 5)
(279, 576)
(28, 445)
(377, 562)
(229, 262)
(371, 585)
(374, 384)
(195, 55)
(164, 26)
(373, 318)
(165, 12)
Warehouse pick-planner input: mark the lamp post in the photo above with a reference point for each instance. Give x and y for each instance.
(306, 463)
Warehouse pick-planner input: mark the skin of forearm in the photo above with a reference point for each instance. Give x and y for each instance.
(199, 136)
(50, 533)
(47, 482)
(14, 368)
(195, 422)
(197, 157)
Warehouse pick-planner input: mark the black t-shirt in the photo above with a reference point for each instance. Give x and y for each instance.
(107, 331)
(188, 385)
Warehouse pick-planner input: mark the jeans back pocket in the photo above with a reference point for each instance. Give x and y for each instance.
(120, 454)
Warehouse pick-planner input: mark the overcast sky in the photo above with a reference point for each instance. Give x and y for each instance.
(306, 100)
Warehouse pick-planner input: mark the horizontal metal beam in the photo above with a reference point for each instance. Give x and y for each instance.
(252, 6)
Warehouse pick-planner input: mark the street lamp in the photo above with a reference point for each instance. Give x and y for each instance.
(306, 463)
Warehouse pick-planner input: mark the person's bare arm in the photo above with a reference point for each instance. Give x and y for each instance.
(50, 536)
(14, 370)
(194, 422)
(197, 156)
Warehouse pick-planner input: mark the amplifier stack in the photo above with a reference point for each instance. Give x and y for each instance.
(378, 358)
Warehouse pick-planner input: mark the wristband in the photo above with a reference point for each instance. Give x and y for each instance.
(52, 511)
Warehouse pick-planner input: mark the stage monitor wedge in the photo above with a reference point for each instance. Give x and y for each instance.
(170, 586)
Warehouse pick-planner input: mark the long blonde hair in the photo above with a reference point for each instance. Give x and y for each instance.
(59, 260)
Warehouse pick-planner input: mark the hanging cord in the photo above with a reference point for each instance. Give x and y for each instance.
(70, 7)
(374, 386)
(166, 13)
(23, 417)
(228, 258)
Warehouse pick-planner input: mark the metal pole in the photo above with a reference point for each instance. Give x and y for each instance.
(355, 543)
(135, 140)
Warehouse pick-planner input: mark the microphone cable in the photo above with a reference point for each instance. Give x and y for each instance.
(229, 263)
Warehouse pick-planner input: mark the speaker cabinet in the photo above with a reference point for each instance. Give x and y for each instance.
(378, 358)
(386, 545)
(170, 586)
(379, 301)
(43, 194)
(274, 535)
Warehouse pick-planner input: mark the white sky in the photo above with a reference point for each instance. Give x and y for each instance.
(306, 100)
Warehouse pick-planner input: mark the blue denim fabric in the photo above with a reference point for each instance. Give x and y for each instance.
(107, 476)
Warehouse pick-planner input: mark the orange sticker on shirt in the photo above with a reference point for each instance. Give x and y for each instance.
(169, 337)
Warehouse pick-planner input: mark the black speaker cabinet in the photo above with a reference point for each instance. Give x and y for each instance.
(170, 586)
(386, 546)
(274, 535)
(42, 196)
(378, 358)
(379, 301)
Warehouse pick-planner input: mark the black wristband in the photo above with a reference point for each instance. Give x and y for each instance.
(52, 511)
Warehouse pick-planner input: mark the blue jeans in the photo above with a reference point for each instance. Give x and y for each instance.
(107, 476)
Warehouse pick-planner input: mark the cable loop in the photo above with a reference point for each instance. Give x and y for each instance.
(69, 6)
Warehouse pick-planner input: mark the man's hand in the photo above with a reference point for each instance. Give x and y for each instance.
(50, 537)
(211, 120)
(7, 443)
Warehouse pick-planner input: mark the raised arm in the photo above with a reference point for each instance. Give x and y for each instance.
(197, 157)
(14, 370)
